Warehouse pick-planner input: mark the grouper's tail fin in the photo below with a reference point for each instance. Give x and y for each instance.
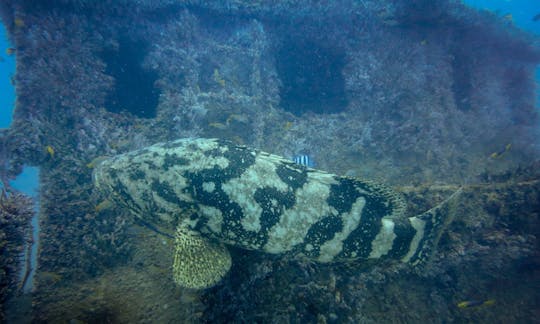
(429, 227)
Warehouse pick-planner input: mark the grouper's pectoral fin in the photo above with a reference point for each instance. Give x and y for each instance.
(198, 262)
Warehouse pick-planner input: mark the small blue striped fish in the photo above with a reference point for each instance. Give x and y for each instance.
(304, 160)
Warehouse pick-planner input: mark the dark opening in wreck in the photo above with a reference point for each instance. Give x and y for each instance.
(311, 78)
(134, 89)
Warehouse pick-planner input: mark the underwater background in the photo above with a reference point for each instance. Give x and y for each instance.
(425, 96)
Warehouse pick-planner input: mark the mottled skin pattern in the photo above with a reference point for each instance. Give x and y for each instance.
(254, 200)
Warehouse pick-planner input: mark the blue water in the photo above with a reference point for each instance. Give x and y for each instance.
(7, 69)
(522, 12)
(27, 182)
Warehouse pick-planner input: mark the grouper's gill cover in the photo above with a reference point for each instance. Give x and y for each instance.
(234, 195)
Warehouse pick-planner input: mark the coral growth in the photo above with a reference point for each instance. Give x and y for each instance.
(16, 210)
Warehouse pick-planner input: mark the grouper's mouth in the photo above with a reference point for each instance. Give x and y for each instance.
(106, 185)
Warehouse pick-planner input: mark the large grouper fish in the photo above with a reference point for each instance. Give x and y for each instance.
(210, 193)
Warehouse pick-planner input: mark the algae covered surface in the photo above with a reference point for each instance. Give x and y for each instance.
(425, 96)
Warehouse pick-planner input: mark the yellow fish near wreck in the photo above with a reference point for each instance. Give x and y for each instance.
(475, 303)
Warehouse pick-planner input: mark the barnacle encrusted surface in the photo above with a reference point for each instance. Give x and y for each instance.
(198, 262)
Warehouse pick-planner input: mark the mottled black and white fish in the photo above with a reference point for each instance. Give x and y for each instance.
(213, 193)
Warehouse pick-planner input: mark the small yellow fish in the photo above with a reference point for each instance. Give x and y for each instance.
(475, 303)
(236, 117)
(120, 144)
(104, 205)
(10, 51)
(218, 125)
(49, 278)
(50, 151)
(18, 22)
(508, 17)
(217, 77)
(287, 125)
(496, 155)
(92, 164)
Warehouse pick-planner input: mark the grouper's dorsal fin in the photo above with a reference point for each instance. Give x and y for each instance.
(198, 262)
